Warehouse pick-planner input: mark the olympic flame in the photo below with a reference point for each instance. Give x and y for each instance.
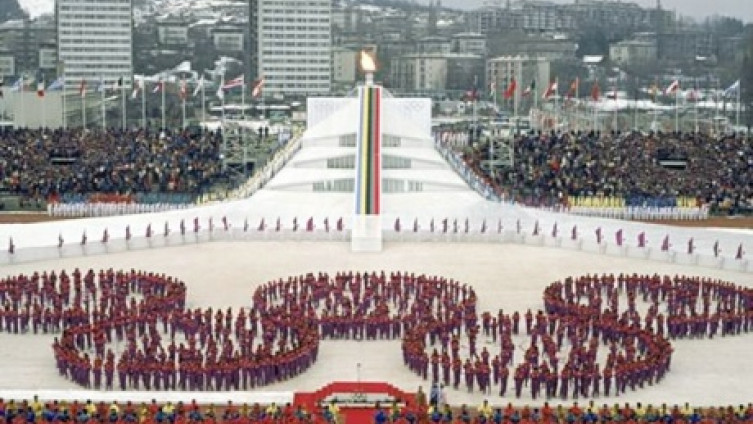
(367, 62)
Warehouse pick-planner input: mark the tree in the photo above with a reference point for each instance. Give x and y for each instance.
(593, 41)
(10, 9)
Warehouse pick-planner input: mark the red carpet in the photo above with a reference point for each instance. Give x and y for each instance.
(358, 415)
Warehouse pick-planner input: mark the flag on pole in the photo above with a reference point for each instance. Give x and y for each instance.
(530, 89)
(199, 86)
(40, 85)
(183, 92)
(573, 88)
(732, 90)
(510, 91)
(159, 86)
(258, 87)
(101, 86)
(57, 85)
(595, 91)
(220, 91)
(492, 88)
(82, 88)
(234, 83)
(672, 88)
(550, 90)
(139, 86)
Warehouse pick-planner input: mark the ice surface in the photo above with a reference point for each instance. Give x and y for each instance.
(507, 276)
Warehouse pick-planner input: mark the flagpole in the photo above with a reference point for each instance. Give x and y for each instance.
(677, 110)
(83, 108)
(143, 103)
(203, 101)
(737, 111)
(695, 99)
(243, 99)
(183, 107)
(65, 118)
(123, 103)
(162, 89)
(616, 107)
(556, 104)
(577, 104)
(104, 110)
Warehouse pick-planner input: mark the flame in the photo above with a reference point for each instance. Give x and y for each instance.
(367, 62)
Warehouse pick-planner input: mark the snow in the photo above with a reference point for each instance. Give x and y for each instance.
(37, 8)
(508, 276)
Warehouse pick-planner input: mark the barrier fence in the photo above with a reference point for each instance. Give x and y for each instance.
(728, 254)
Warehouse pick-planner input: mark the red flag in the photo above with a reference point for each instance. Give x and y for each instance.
(595, 91)
(550, 90)
(510, 91)
(82, 88)
(672, 88)
(573, 88)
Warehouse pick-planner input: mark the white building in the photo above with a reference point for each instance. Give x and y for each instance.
(95, 40)
(293, 45)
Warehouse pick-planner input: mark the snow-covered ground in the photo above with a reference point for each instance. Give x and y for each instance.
(508, 276)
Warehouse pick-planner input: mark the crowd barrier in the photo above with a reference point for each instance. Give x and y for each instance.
(82, 210)
(728, 256)
(642, 213)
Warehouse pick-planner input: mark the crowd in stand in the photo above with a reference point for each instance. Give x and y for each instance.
(84, 412)
(550, 167)
(45, 164)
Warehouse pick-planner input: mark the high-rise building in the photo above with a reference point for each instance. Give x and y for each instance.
(291, 46)
(95, 40)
